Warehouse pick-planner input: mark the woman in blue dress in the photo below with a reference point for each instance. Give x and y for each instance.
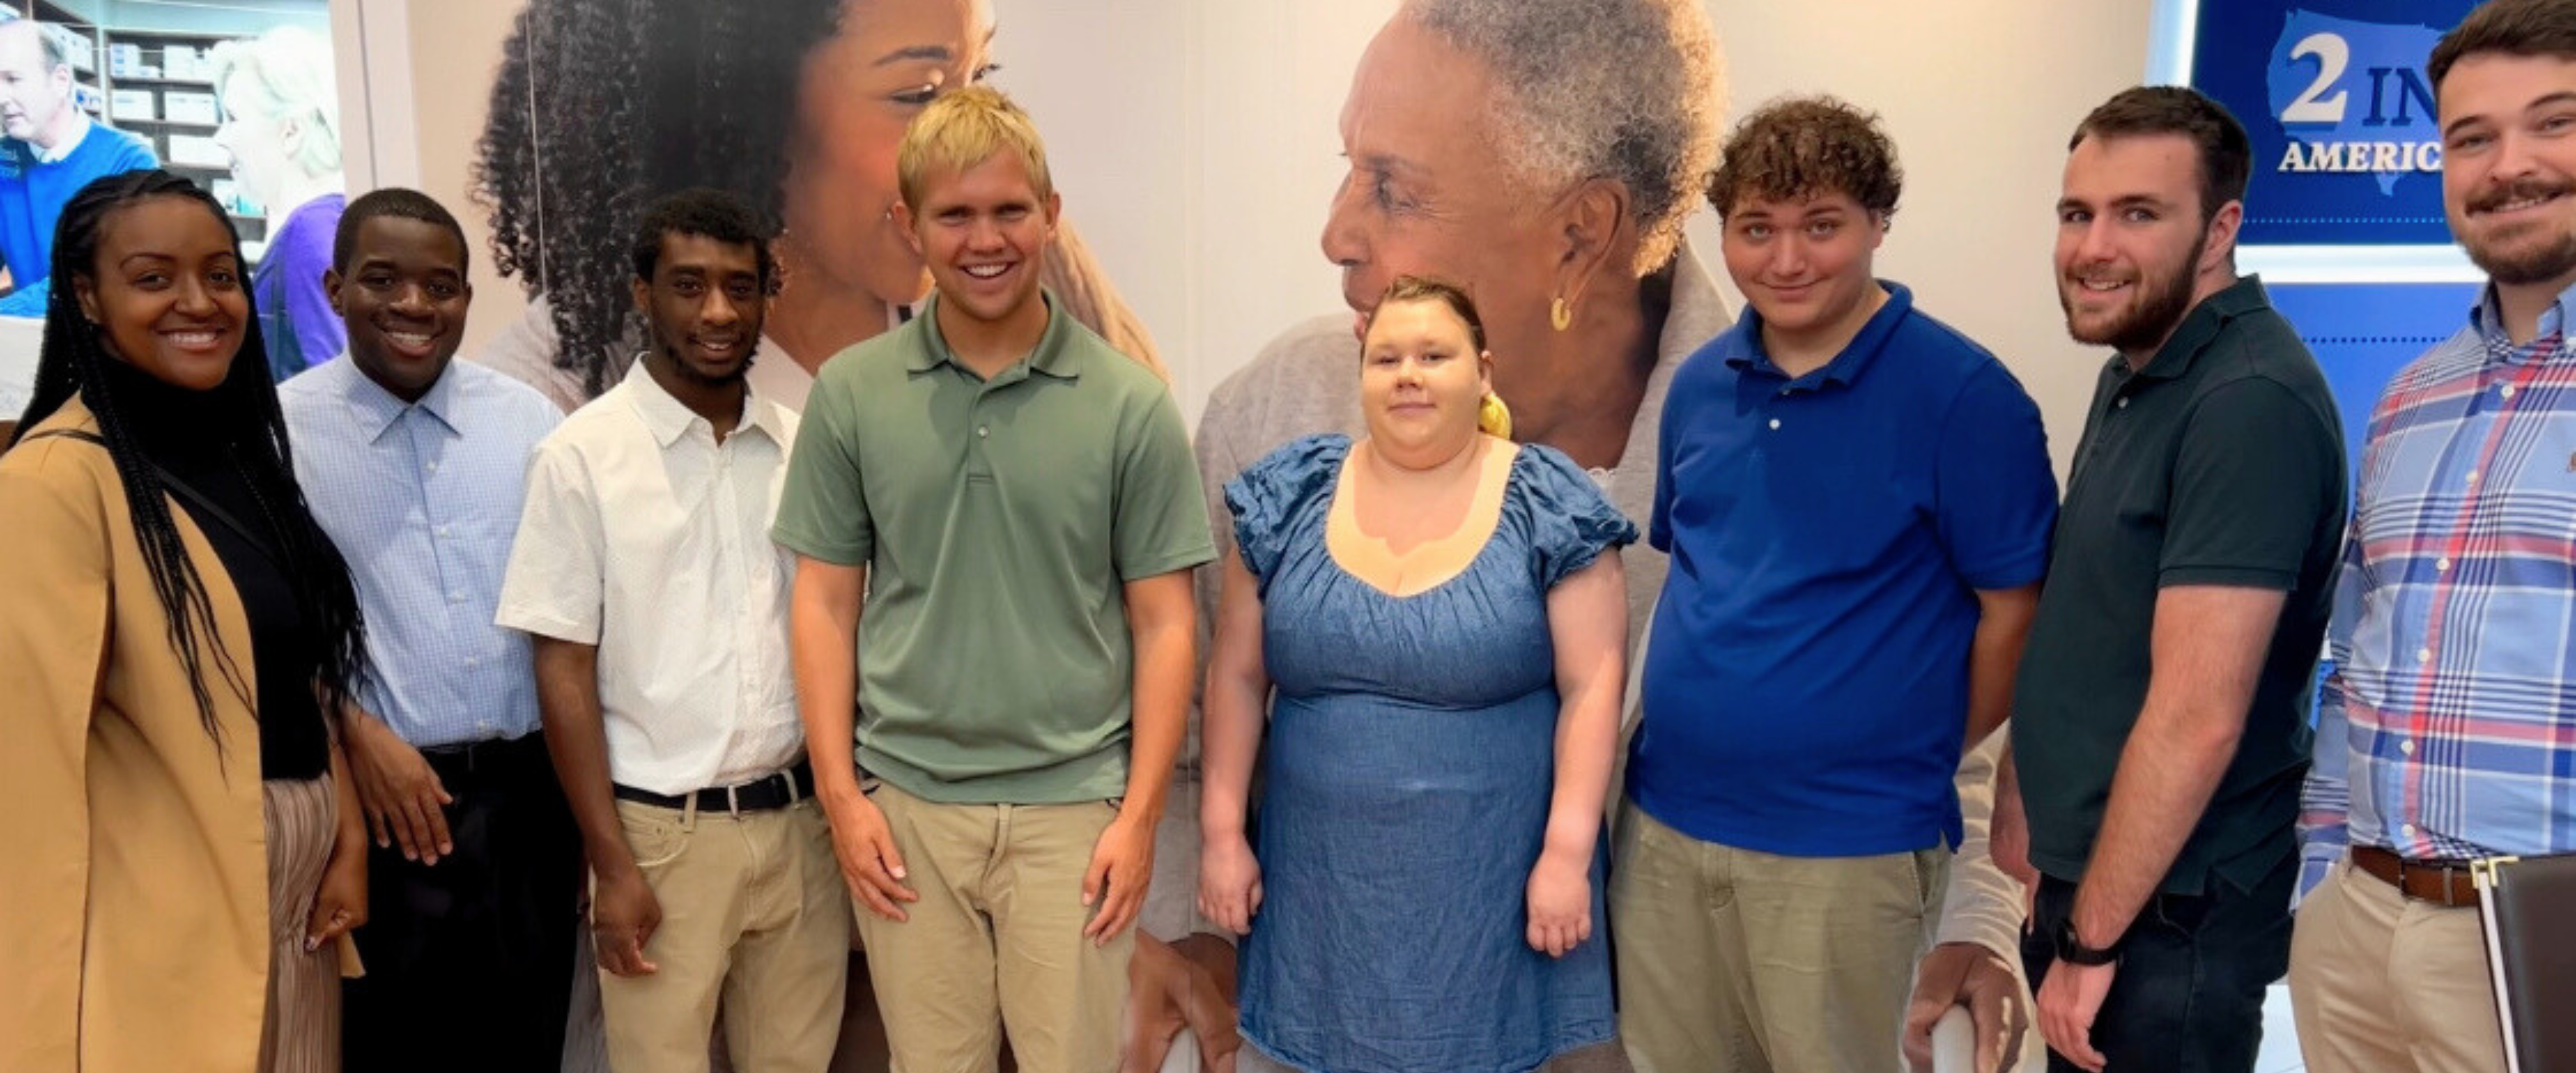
(1436, 621)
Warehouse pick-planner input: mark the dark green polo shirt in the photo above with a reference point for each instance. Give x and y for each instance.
(2220, 463)
(999, 521)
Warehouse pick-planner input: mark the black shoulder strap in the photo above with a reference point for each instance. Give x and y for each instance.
(182, 489)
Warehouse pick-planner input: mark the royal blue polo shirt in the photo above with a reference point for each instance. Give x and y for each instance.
(1806, 686)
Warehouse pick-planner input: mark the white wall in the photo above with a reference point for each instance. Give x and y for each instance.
(1195, 142)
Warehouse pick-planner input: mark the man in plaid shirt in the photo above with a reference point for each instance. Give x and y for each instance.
(2448, 729)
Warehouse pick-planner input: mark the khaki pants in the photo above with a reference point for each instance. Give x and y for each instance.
(996, 940)
(2381, 984)
(755, 916)
(1733, 961)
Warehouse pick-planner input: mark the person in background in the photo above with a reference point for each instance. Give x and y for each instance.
(2446, 732)
(994, 515)
(281, 111)
(2160, 719)
(178, 639)
(1427, 888)
(418, 465)
(644, 570)
(52, 149)
(1820, 660)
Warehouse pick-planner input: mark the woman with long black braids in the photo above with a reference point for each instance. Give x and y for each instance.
(180, 861)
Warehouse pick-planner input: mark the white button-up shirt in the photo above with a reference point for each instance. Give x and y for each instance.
(644, 536)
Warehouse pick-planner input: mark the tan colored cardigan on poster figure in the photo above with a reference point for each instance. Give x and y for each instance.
(133, 863)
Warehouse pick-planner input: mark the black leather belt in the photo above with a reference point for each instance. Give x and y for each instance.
(471, 758)
(759, 795)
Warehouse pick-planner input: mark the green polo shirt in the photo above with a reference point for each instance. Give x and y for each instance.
(2219, 463)
(999, 521)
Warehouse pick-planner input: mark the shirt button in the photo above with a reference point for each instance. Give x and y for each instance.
(432, 467)
(1775, 422)
(2423, 655)
(456, 596)
(982, 431)
(2407, 746)
(2123, 404)
(2473, 476)
(2443, 563)
(2506, 391)
(2407, 830)
(441, 530)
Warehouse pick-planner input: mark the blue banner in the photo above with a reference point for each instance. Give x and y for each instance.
(2347, 149)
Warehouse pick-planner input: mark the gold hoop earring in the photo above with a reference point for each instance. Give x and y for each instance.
(1560, 315)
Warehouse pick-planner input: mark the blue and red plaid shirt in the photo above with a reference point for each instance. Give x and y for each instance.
(2448, 728)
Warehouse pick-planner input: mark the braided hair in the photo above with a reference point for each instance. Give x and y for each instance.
(74, 360)
(640, 99)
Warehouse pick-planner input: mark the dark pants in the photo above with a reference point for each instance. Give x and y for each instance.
(468, 962)
(2188, 997)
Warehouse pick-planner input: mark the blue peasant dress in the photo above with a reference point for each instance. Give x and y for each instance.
(1408, 768)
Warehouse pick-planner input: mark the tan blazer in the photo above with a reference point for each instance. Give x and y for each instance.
(133, 863)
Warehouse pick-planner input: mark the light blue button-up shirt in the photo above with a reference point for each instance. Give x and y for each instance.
(423, 500)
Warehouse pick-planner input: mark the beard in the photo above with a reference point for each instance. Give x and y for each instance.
(2546, 257)
(2161, 304)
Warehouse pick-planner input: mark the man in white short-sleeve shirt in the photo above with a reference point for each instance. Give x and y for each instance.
(644, 568)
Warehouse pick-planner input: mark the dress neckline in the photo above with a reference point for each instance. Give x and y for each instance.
(1333, 494)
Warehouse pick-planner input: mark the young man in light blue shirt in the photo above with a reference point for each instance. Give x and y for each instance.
(415, 464)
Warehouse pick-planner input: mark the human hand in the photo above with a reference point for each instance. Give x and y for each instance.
(1229, 883)
(1168, 989)
(623, 916)
(401, 796)
(869, 862)
(1122, 862)
(340, 903)
(1970, 975)
(2068, 1001)
(1560, 904)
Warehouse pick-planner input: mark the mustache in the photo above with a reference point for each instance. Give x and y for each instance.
(2521, 190)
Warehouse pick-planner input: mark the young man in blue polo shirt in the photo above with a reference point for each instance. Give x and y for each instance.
(1857, 502)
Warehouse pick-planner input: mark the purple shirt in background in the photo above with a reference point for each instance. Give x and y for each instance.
(294, 314)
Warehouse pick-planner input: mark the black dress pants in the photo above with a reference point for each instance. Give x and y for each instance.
(469, 961)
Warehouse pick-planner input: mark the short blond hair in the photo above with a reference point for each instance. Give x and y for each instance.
(963, 129)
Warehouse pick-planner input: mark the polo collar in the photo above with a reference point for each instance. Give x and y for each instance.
(668, 419)
(2201, 327)
(376, 409)
(1048, 357)
(1744, 352)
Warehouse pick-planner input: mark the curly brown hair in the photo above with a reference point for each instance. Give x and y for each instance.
(1800, 147)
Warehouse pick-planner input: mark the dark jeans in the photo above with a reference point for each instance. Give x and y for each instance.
(469, 961)
(2188, 997)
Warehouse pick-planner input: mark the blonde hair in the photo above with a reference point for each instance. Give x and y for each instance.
(964, 129)
(289, 77)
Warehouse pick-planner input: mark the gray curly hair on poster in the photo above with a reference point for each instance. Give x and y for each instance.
(1629, 90)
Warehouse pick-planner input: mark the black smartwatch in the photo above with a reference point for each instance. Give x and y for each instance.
(2074, 952)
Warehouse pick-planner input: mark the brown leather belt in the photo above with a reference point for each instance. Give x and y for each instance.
(2438, 882)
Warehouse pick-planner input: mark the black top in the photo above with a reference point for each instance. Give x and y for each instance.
(2219, 463)
(180, 432)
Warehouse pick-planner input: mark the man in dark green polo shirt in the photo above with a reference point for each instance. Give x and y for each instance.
(2160, 720)
(1018, 505)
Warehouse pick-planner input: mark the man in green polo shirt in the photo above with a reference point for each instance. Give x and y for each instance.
(2160, 720)
(1017, 505)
